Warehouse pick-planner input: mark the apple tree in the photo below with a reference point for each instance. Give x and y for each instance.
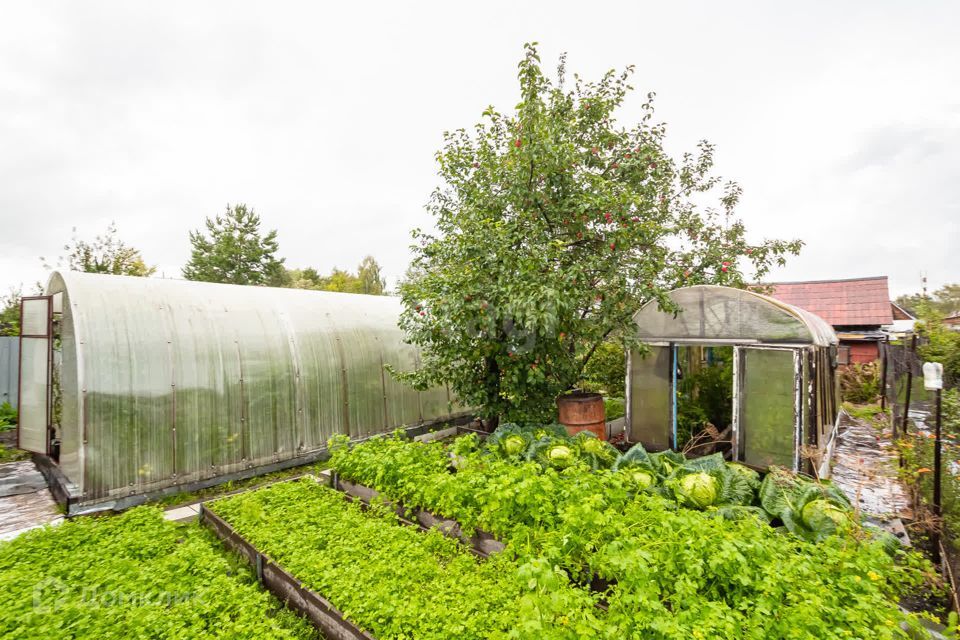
(553, 225)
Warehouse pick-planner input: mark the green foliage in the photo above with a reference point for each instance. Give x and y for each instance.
(614, 408)
(810, 510)
(133, 576)
(596, 453)
(235, 251)
(705, 396)
(550, 445)
(10, 313)
(675, 573)
(397, 582)
(368, 279)
(510, 441)
(698, 490)
(606, 371)
(553, 225)
(860, 382)
(106, 254)
(11, 454)
(8, 416)
(940, 344)
(944, 301)
(867, 412)
(554, 453)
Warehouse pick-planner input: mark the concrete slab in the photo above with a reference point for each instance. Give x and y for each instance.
(10, 535)
(25, 500)
(182, 514)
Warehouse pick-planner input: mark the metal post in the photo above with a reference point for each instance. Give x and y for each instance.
(937, 508)
(884, 358)
(906, 406)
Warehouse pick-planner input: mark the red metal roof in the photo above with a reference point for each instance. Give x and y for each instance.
(858, 301)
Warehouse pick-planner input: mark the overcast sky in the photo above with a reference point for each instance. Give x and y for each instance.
(840, 120)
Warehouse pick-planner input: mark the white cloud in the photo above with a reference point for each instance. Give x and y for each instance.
(840, 121)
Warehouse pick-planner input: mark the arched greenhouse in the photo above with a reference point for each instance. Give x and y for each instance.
(758, 371)
(135, 386)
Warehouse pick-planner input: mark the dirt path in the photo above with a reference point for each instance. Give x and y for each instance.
(865, 467)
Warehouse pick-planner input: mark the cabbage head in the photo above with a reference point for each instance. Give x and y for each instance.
(824, 517)
(640, 477)
(509, 441)
(560, 455)
(699, 490)
(597, 453)
(747, 473)
(514, 445)
(553, 430)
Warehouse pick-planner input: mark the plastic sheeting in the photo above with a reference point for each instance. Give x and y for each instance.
(768, 419)
(168, 381)
(711, 313)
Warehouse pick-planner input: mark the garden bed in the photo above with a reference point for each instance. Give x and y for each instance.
(284, 586)
(134, 575)
(657, 566)
(382, 578)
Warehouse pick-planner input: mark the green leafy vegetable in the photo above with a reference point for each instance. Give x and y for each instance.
(698, 489)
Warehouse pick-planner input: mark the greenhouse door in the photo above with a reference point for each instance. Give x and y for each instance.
(35, 354)
(769, 396)
(649, 397)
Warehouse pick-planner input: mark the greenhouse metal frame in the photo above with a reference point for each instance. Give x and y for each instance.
(785, 406)
(138, 387)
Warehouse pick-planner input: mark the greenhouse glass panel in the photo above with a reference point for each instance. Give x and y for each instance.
(35, 316)
(650, 408)
(721, 314)
(768, 407)
(166, 382)
(34, 384)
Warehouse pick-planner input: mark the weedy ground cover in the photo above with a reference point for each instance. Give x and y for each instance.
(134, 576)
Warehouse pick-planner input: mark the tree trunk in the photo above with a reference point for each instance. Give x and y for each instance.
(491, 424)
(493, 393)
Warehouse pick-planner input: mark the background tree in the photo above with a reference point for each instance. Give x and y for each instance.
(945, 301)
(234, 251)
(939, 342)
(368, 279)
(105, 254)
(10, 312)
(553, 226)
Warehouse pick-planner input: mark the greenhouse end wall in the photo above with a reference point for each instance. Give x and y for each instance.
(167, 382)
(784, 390)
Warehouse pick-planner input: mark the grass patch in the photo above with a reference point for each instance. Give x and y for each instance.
(12, 454)
(868, 412)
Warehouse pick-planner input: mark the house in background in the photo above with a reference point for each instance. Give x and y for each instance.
(903, 322)
(952, 321)
(859, 310)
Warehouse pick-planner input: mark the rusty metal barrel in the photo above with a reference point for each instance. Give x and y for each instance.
(583, 412)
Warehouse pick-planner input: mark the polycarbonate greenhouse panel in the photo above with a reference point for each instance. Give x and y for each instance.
(34, 389)
(650, 409)
(768, 417)
(169, 381)
(722, 314)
